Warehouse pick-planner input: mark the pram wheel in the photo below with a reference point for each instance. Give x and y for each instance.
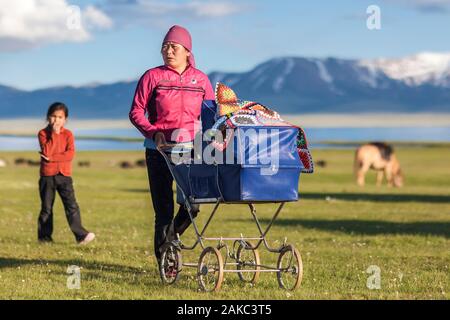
(170, 266)
(248, 259)
(210, 270)
(290, 268)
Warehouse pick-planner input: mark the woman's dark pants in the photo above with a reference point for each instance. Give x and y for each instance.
(160, 181)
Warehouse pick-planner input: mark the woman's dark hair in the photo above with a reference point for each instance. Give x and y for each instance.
(56, 106)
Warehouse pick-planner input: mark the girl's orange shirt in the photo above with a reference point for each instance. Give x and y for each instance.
(59, 148)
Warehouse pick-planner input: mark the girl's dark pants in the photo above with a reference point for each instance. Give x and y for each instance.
(160, 181)
(47, 190)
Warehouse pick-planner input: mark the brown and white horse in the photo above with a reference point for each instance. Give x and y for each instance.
(380, 157)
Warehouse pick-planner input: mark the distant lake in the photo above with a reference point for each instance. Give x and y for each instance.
(314, 135)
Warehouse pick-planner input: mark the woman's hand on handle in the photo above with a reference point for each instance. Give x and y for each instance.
(160, 140)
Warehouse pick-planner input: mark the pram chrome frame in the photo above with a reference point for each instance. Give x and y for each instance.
(171, 250)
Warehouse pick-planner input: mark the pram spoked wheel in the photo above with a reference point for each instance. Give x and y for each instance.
(170, 266)
(290, 268)
(248, 259)
(210, 270)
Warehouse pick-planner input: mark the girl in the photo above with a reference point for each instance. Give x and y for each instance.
(57, 152)
(171, 95)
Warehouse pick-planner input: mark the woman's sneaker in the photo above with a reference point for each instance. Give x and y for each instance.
(89, 237)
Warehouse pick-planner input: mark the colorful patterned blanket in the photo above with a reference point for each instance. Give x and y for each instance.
(233, 112)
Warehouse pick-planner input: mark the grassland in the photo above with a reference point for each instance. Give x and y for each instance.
(340, 229)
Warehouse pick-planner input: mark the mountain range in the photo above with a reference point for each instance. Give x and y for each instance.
(290, 85)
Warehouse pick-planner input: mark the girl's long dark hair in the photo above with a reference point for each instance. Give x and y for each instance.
(56, 106)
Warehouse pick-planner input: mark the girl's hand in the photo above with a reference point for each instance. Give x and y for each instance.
(56, 127)
(44, 157)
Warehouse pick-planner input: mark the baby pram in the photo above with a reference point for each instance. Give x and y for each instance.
(248, 179)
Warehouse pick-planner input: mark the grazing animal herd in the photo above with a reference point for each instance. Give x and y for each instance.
(22, 162)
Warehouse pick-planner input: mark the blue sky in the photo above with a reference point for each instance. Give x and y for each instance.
(122, 38)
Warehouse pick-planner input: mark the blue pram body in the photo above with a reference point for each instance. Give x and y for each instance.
(260, 164)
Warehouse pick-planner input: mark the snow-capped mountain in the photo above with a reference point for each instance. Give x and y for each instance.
(418, 83)
(427, 67)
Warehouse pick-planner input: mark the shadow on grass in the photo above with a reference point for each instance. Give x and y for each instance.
(387, 197)
(392, 197)
(98, 271)
(91, 265)
(370, 227)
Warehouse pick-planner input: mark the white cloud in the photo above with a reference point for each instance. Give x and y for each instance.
(31, 23)
(154, 11)
(94, 18)
(26, 24)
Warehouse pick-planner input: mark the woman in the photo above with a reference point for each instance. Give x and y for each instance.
(171, 95)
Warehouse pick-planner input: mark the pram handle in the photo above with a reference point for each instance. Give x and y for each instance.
(170, 150)
(166, 146)
(170, 146)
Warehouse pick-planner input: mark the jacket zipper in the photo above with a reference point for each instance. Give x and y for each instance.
(182, 102)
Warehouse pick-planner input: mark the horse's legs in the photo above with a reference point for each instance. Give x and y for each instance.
(389, 176)
(380, 174)
(361, 175)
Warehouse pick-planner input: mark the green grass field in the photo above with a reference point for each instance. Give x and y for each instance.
(341, 230)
